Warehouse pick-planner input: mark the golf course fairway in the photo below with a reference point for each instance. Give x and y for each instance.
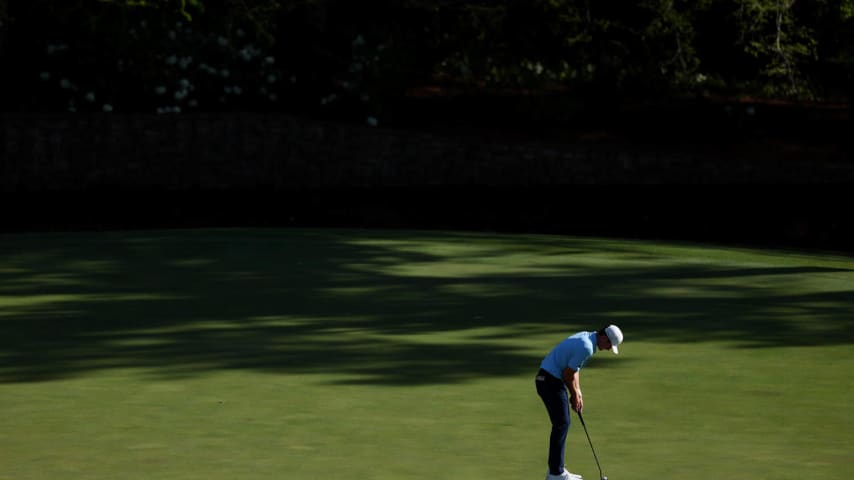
(367, 354)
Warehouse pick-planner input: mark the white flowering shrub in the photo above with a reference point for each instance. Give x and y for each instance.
(159, 62)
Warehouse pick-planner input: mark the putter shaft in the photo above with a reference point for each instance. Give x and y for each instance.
(595, 457)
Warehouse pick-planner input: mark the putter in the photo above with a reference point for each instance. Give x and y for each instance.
(602, 477)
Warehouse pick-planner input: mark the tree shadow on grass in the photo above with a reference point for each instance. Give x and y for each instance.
(396, 308)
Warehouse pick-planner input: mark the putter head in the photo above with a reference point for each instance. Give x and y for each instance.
(604, 477)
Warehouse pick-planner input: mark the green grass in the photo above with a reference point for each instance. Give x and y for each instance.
(299, 354)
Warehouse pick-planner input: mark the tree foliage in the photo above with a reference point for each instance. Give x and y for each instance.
(323, 55)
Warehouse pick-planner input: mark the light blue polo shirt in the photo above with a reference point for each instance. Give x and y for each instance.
(573, 352)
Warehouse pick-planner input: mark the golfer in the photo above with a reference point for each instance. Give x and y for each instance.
(560, 370)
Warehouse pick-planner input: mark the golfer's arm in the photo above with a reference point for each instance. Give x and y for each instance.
(570, 378)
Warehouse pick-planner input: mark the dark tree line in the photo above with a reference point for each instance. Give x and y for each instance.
(175, 56)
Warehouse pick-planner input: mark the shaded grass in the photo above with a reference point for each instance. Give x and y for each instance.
(369, 354)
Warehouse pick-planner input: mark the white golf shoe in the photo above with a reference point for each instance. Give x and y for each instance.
(566, 475)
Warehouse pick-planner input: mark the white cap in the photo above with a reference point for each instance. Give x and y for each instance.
(615, 335)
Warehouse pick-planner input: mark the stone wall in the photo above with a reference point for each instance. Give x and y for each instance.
(147, 171)
(240, 151)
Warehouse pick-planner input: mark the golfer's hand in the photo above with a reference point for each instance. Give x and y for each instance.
(577, 403)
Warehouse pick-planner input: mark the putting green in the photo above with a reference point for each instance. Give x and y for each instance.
(348, 354)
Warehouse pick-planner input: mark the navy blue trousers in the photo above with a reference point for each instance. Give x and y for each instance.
(553, 393)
